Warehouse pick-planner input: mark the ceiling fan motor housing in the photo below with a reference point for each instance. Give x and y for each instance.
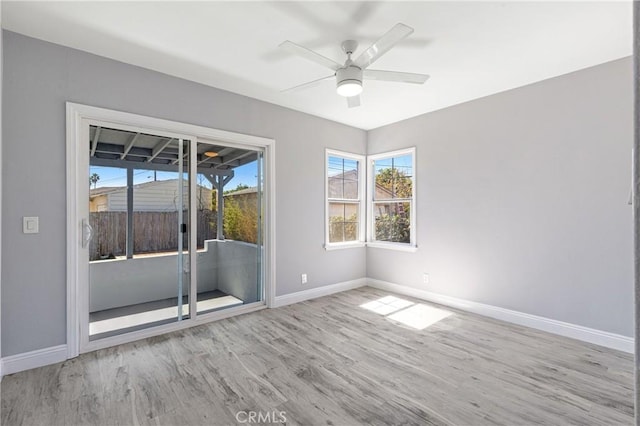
(349, 75)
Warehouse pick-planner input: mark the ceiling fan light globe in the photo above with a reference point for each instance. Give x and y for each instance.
(349, 88)
(349, 81)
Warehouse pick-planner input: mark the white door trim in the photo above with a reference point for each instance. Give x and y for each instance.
(78, 119)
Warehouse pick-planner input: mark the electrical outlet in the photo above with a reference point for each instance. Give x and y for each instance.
(425, 278)
(303, 278)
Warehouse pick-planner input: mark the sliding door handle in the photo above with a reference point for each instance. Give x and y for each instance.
(87, 233)
(633, 177)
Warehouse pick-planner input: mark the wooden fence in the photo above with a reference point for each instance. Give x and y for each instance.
(152, 232)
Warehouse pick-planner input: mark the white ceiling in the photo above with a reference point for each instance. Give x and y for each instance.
(470, 49)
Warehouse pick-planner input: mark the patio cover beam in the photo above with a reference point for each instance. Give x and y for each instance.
(130, 144)
(124, 164)
(218, 183)
(218, 159)
(94, 142)
(160, 146)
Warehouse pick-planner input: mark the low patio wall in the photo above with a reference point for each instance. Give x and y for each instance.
(228, 266)
(237, 270)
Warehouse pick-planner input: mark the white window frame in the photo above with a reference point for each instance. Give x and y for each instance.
(362, 216)
(371, 176)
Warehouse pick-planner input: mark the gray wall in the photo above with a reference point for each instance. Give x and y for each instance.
(522, 199)
(40, 77)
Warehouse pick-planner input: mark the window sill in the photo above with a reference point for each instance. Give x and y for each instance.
(340, 246)
(394, 246)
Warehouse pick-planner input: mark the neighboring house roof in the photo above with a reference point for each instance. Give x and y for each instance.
(352, 176)
(161, 195)
(94, 192)
(251, 190)
(383, 192)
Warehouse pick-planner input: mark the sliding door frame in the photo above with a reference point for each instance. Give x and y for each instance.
(79, 118)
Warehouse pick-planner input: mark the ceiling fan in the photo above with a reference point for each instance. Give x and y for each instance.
(350, 75)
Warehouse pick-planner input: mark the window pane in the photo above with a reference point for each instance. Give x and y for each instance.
(336, 232)
(344, 201)
(241, 196)
(394, 177)
(343, 178)
(392, 222)
(107, 217)
(343, 222)
(156, 203)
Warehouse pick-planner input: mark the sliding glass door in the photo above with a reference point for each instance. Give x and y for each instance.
(159, 204)
(138, 231)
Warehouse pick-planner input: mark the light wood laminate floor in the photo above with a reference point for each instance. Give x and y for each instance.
(330, 361)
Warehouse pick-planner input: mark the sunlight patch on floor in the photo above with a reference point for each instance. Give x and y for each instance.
(386, 305)
(414, 315)
(420, 316)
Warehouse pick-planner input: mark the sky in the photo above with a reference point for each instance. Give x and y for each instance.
(111, 176)
(403, 163)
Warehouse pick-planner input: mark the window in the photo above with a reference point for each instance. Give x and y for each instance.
(392, 198)
(344, 192)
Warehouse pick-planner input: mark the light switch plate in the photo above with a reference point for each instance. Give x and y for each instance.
(30, 225)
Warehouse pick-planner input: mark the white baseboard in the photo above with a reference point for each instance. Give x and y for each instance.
(602, 338)
(312, 293)
(34, 359)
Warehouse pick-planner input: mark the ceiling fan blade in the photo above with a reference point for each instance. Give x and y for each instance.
(353, 101)
(310, 55)
(401, 77)
(308, 84)
(383, 45)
